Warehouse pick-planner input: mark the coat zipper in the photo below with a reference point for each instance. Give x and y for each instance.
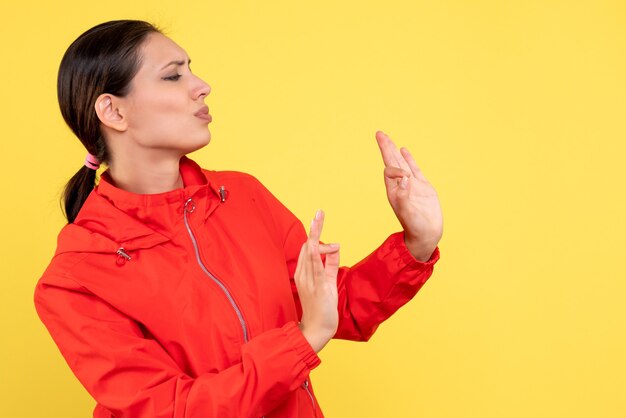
(306, 387)
(226, 292)
(190, 209)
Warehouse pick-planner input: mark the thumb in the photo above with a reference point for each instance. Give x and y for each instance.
(331, 267)
(403, 187)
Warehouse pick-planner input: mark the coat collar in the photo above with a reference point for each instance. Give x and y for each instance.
(112, 218)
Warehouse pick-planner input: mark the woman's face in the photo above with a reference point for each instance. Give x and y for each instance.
(164, 98)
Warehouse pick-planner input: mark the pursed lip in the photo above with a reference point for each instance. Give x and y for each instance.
(204, 110)
(203, 113)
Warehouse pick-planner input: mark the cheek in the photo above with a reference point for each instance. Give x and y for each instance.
(158, 104)
(158, 115)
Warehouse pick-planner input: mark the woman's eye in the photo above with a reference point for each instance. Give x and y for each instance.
(173, 78)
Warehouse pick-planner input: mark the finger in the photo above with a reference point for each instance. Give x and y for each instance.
(316, 227)
(386, 152)
(313, 254)
(316, 265)
(328, 248)
(405, 185)
(412, 164)
(331, 269)
(307, 266)
(395, 172)
(402, 163)
(298, 274)
(396, 178)
(391, 156)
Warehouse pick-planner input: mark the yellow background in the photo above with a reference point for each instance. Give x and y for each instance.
(515, 111)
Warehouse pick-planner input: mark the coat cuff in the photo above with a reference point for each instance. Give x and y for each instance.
(398, 246)
(301, 345)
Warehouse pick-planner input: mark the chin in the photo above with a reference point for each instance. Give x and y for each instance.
(201, 143)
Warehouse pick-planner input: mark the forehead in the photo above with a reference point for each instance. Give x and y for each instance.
(158, 50)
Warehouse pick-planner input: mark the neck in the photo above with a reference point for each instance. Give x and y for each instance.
(146, 176)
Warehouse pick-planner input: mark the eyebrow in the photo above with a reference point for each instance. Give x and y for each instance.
(179, 62)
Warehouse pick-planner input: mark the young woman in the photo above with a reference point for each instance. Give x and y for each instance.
(177, 291)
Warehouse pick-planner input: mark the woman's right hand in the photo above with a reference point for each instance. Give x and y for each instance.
(317, 287)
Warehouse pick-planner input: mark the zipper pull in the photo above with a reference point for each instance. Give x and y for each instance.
(122, 257)
(223, 193)
(190, 205)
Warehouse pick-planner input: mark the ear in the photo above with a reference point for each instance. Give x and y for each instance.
(107, 109)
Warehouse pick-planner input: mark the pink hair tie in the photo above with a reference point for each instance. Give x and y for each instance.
(91, 162)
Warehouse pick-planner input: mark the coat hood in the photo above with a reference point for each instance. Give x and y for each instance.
(112, 218)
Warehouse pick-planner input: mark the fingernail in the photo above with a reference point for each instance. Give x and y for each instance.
(318, 214)
(404, 182)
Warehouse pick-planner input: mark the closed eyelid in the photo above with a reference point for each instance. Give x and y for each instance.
(177, 63)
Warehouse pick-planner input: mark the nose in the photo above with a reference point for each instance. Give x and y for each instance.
(202, 89)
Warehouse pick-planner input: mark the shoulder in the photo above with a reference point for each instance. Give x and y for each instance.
(233, 175)
(236, 180)
(252, 187)
(56, 282)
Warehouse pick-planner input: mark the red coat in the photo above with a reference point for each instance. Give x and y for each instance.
(183, 303)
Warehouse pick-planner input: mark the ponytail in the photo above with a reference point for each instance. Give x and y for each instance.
(76, 192)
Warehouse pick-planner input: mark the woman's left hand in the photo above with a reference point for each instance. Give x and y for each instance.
(412, 198)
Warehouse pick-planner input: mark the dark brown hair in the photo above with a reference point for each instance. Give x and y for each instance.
(104, 59)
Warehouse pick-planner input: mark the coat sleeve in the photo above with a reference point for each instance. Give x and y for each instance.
(131, 375)
(369, 291)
